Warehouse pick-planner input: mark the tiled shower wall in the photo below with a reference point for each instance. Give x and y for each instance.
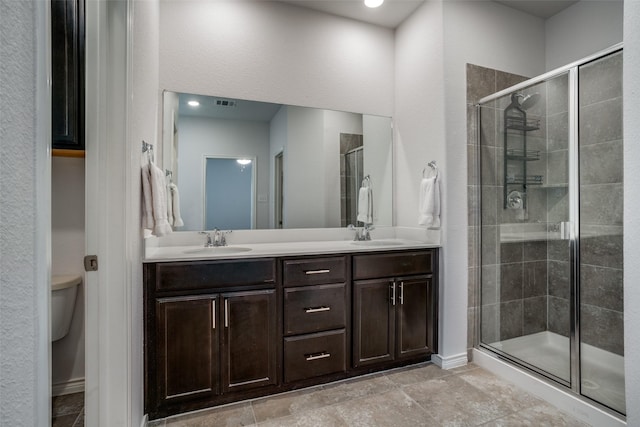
(525, 283)
(481, 82)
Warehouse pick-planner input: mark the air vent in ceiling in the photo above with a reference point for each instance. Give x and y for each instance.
(225, 103)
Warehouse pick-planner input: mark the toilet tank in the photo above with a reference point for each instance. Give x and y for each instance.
(64, 289)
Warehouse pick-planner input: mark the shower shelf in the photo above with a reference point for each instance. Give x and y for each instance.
(528, 180)
(528, 155)
(522, 123)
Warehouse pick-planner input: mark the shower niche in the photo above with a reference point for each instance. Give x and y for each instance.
(517, 152)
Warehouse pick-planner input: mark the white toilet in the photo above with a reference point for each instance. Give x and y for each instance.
(64, 289)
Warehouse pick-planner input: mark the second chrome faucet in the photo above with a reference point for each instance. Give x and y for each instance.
(215, 238)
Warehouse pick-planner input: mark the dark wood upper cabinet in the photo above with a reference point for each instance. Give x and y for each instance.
(67, 73)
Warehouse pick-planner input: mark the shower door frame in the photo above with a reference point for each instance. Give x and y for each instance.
(571, 70)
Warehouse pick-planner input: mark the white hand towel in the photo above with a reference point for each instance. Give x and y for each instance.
(169, 205)
(147, 199)
(158, 191)
(175, 205)
(154, 200)
(365, 205)
(429, 203)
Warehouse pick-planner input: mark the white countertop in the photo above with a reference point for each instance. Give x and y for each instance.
(259, 250)
(187, 246)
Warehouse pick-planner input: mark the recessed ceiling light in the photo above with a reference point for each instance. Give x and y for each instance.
(373, 3)
(244, 162)
(193, 103)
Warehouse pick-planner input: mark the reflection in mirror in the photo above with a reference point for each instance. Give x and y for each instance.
(307, 164)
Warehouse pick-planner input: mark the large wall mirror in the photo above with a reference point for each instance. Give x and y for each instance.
(242, 164)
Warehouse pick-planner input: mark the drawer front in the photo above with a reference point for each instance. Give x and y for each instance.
(392, 264)
(314, 308)
(314, 271)
(176, 276)
(309, 356)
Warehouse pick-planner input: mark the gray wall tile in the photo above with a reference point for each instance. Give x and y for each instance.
(601, 163)
(600, 80)
(601, 286)
(602, 328)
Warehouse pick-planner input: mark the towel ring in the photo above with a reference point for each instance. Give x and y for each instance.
(434, 169)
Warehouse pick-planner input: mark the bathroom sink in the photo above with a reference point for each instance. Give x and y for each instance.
(218, 250)
(378, 243)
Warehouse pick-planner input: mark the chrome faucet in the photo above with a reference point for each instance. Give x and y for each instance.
(361, 233)
(217, 239)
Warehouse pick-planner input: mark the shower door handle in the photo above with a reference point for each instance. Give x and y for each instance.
(565, 230)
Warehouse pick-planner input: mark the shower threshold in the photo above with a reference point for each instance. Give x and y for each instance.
(602, 371)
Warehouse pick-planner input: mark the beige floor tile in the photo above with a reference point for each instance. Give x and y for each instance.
(504, 391)
(64, 420)
(345, 391)
(322, 417)
(393, 408)
(541, 415)
(226, 416)
(67, 404)
(286, 404)
(416, 374)
(454, 402)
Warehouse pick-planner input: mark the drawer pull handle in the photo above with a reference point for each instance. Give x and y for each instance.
(213, 313)
(310, 272)
(316, 309)
(316, 356)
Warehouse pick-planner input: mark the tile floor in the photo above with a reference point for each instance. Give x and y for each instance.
(421, 395)
(68, 410)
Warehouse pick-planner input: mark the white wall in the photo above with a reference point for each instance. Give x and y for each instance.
(270, 51)
(581, 30)
(67, 253)
(304, 203)
(498, 37)
(335, 123)
(631, 205)
(231, 138)
(277, 144)
(25, 169)
(378, 163)
(145, 104)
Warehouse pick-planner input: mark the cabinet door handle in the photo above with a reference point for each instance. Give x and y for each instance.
(401, 293)
(310, 272)
(316, 309)
(213, 314)
(393, 293)
(316, 356)
(226, 313)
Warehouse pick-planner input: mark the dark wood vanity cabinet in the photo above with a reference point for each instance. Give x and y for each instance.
(394, 314)
(208, 339)
(316, 301)
(222, 331)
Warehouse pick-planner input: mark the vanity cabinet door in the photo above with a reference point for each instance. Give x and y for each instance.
(249, 340)
(373, 322)
(414, 316)
(187, 348)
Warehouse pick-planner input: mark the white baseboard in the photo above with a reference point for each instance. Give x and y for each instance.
(145, 420)
(450, 362)
(73, 386)
(557, 397)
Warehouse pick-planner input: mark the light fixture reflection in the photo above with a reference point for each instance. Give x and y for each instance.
(193, 103)
(373, 3)
(244, 162)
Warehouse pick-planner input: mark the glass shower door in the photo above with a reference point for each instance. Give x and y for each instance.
(601, 215)
(526, 276)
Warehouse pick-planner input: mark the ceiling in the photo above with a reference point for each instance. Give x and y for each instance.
(393, 12)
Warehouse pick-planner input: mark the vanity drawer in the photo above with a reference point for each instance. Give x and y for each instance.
(309, 356)
(314, 308)
(392, 264)
(314, 271)
(177, 276)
